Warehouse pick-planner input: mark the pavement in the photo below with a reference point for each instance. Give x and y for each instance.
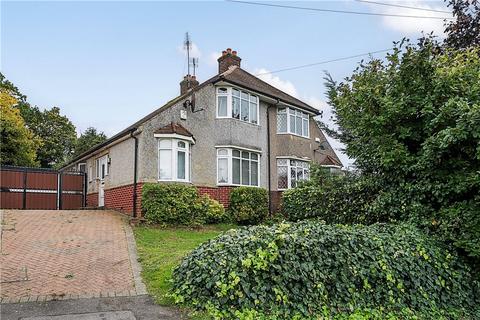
(67, 254)
(118, 308)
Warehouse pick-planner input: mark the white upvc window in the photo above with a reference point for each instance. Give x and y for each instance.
(237, 104)
(90, 173)
(293, 121)
(101, 167)
(173, 160)
(291, 171)
(238, 167)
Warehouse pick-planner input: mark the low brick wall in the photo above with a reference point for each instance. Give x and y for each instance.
(121, 199)
(221, 194)
(92, 200)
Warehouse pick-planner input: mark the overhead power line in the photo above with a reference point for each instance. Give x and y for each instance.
(402, 6)
(323, 62)
(337, 11)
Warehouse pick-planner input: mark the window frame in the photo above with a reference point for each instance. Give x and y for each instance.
(175, 149)
(229, 95)
(296, 113)
(289, 168)
(229, 156)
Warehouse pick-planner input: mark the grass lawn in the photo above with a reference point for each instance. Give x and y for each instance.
(161, 249)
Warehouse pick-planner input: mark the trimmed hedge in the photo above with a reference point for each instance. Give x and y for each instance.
(178, 204)
(306, 269)
(248, 205)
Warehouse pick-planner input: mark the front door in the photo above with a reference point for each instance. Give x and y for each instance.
(102, 170)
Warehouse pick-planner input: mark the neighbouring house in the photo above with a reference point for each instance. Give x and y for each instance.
(231, 130)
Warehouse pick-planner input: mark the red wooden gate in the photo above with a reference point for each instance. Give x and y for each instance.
(36, 188)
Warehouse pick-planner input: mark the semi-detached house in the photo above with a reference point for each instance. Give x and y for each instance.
(231, 130)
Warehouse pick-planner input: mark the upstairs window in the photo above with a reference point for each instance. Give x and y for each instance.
(237, 167)
(291, 171)
(294, 121)
(173, 160)
(237, 104)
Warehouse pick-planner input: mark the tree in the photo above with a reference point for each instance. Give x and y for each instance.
(87, 140)
(58, 135)
(55, 134)
(464, 31)
(18, 145)
(412, 123)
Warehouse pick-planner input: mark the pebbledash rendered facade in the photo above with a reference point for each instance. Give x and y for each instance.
(233, 129)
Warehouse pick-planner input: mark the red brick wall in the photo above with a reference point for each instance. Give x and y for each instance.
(121, 199)
(221, 194)
(92, 200)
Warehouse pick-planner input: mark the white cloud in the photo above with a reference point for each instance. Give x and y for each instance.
(413, 25)
(275, 81)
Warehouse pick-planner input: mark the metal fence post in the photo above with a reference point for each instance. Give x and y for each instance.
(25, 189)
(60, 191)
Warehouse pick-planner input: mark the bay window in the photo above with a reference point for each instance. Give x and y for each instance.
(291, 171)
(294, 121)
(237, 104)
(237, 167)
(173, 160)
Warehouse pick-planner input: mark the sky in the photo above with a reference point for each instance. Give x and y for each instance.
(108, 64)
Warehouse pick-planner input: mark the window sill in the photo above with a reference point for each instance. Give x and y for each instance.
(235, 185)
(293, 134)
(174, 181)
(241, 121)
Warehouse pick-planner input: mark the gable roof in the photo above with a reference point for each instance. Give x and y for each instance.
(174, 127)
(330, 161)
(233, 75)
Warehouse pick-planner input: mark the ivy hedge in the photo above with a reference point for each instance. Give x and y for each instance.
(306, 269)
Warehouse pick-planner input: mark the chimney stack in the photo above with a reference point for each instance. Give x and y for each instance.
(189, 82)
(229, 58)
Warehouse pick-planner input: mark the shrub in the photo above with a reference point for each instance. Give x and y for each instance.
(212, 210)
(248, 205)
(170, 204)
(307, 268)
(335, 199)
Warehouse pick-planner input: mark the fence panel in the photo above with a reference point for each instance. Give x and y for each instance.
(36, 188)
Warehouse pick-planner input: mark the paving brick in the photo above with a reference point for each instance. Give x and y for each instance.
(64, 254)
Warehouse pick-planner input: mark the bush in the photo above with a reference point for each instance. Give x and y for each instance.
(248, 205)
(211, 210)
(335, 199)
(170, 204)
(308, 268)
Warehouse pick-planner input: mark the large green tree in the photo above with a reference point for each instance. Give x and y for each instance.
(54, 133)
(58, 135)
(18, 146)
(412, 121)
(88, 139)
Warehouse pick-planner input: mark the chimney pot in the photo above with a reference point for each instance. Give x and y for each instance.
(189, 82)
(229, 58)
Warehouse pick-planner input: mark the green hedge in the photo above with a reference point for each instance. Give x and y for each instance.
(335, 199)
(248, 205)
(306, 269)
(178, 204)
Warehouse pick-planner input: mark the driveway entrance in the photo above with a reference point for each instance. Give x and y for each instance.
(57, 255)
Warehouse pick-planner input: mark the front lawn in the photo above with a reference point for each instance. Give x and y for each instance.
(161, 249)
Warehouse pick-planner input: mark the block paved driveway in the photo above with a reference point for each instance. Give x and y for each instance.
(57, 255)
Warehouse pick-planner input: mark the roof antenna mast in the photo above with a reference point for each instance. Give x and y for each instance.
(187, 45)
(194, 65)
